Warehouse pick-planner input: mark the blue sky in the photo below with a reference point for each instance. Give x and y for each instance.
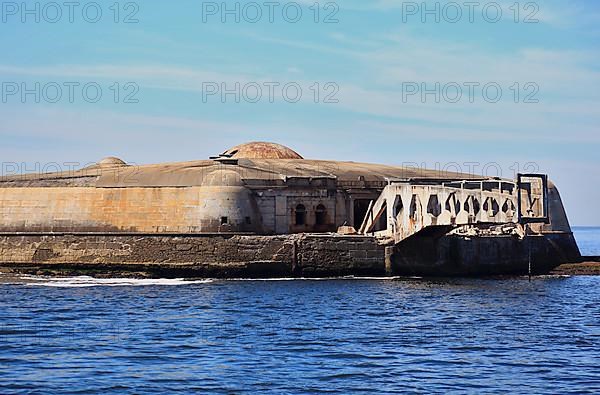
(371, 55)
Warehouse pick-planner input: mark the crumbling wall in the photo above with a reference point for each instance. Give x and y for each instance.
(341, 255)
(483, 253)
(195, 256)
(304, 255)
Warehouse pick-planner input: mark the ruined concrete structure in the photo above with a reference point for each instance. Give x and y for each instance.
(407, 221)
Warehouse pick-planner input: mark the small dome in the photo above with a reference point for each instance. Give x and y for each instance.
(222, 178)
(111, 161)
(262, 150)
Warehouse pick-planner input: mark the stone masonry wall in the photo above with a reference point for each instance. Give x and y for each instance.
(349, 255)
(193, 256)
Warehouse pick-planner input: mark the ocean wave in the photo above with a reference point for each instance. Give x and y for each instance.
(86, 281)
(359, 278)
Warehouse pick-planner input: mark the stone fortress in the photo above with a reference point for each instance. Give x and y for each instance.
(261, 210)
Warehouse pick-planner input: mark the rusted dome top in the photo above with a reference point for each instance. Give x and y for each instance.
(261, 150)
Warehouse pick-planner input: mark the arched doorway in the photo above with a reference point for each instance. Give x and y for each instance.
(320, 215)
(300, 215)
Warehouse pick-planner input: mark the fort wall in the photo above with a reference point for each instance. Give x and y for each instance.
(90, 209)
(302, 255)
(194, 256)
(198, 209)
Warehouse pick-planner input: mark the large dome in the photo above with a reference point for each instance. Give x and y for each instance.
(261, 150)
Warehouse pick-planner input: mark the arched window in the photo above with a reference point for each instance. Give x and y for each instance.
(415, 207)
(398, 207)
(321, 215)
(433, 206)
(491, 206)
(300, 214)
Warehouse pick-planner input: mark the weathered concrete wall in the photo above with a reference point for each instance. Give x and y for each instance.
(196, 256)
(556, 212)
(442, 254)
(278, 209)
(321, 255)
(198, 209)
(306, 255)
(89, 209)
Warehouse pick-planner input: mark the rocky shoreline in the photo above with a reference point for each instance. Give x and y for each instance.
(589, 266)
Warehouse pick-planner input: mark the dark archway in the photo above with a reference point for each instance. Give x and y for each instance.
(360, 211)
(300, 215)
(320, 215)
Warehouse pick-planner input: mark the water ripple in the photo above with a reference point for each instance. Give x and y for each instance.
(82, 335)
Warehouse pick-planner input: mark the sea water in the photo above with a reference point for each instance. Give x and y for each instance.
(588, 240)
(82, 335)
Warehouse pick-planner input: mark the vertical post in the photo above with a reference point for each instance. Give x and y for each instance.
(519, 199)
(528, 250)
(372, 219)
(389, 257)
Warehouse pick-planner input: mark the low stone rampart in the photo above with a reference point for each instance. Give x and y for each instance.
(193, 255)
